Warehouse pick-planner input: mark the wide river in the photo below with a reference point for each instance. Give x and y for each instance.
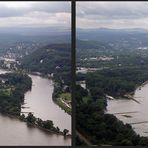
(39, 101)
(132, 112)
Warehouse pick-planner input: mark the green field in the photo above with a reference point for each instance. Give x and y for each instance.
(5, 92)
(66, 96)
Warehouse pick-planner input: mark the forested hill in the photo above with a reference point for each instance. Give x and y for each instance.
(92, 44)
(91, 48)
(117, 38)
(54, 58)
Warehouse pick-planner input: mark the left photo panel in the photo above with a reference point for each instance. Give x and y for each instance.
(35, 73)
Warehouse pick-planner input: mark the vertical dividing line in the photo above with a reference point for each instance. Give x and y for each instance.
(73, 68)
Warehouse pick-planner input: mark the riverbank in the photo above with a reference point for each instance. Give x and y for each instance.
(15, 132)
(19, 116)
(35, 125)
(130, 95)
(59, 101)
(64, 101)
(130, 112)
(63, 105)
(50, 131)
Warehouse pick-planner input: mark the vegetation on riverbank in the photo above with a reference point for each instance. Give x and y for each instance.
(53, 61)
(100, 128)
(12, 89)
(64, 101)
(45, 125)
(117, 77)
(62, 97)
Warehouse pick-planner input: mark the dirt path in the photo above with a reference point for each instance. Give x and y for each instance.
(65, 103)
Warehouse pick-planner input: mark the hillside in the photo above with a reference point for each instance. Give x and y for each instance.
(87, 44)
(118, 38)
(91, 48)
(54, 58)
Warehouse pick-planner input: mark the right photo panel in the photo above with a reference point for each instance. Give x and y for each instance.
(111, 73)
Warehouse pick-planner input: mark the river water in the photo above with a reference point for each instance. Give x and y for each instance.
(132, 112)
(39, 101)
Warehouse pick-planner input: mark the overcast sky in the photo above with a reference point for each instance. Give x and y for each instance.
(112, 14)
(35, 14)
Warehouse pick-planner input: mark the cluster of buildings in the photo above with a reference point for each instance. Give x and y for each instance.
(8, 63)
(100, 58)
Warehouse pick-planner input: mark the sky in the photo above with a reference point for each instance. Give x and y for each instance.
(114, 15)
(35, 14)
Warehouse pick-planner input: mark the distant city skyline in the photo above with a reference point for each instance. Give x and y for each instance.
(35, 14)
(114, 15)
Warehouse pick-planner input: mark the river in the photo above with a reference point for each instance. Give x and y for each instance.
(39, 101)
(132, 112)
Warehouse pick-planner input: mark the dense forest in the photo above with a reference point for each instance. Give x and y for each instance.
(54, 58)
(46, 59)
(115, 82)
(12, 89)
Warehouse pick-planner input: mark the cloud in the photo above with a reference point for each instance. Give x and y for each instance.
(8, 9)
(112, 14)
(34, 13)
